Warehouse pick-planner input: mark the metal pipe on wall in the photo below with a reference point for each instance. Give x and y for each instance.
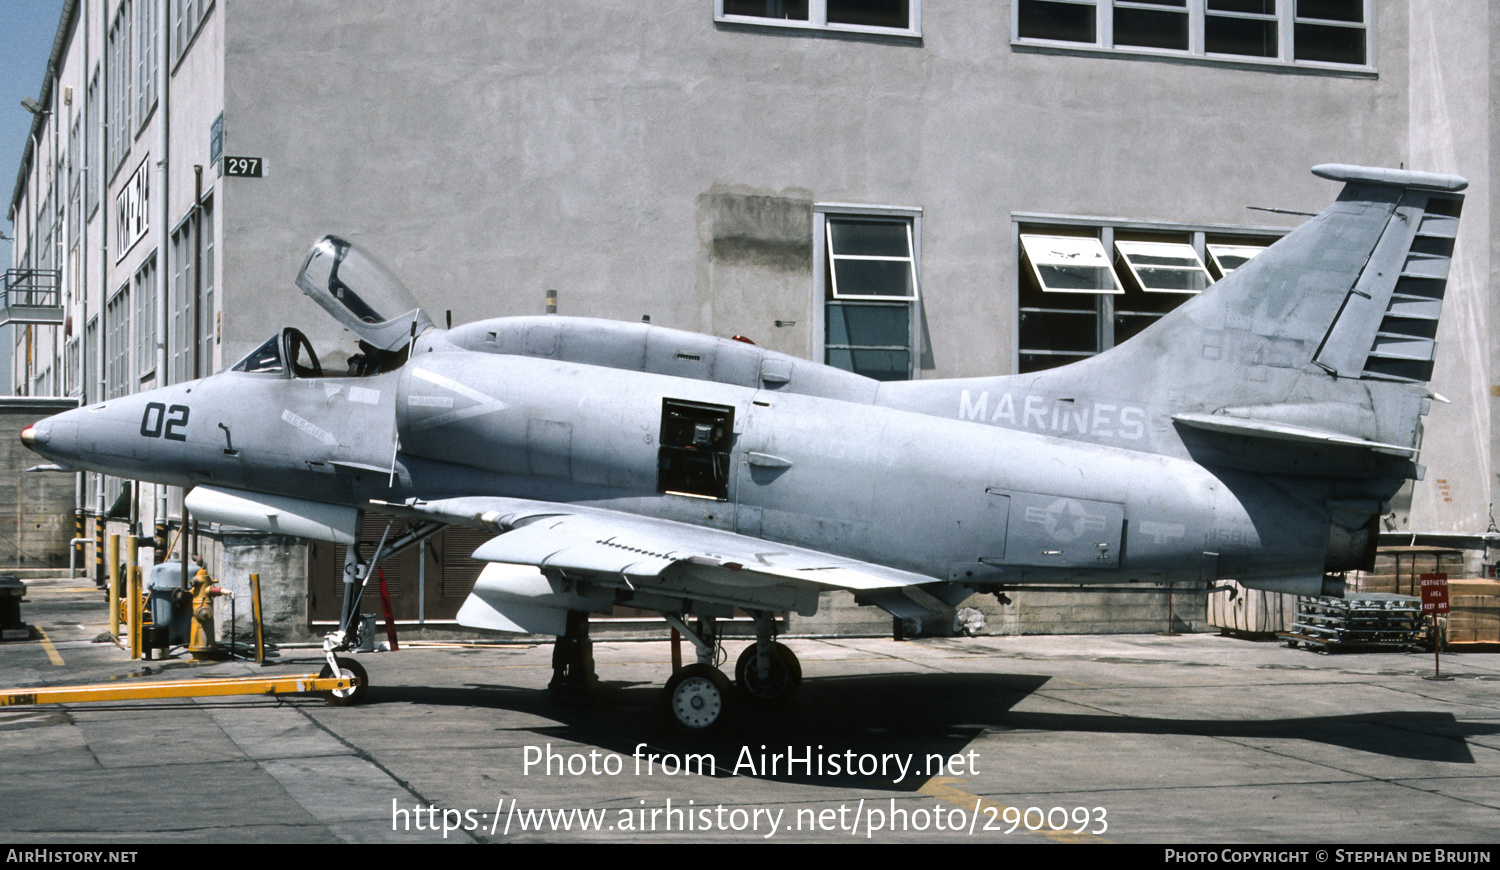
(105, 96)
(163, 116)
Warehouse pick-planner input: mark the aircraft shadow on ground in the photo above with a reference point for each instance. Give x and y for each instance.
(913, 716)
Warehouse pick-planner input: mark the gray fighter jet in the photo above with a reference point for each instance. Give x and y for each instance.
(1257, 433)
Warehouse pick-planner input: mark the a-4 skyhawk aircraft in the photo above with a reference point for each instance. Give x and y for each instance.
(1257, 432)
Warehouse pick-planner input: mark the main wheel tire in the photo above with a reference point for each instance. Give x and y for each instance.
(698, 698)
(779, 686)
(352, 695)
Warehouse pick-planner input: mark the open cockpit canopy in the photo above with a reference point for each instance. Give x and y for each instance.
(363, 295)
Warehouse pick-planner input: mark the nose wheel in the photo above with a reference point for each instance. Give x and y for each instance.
(349, 669)
(698, 698)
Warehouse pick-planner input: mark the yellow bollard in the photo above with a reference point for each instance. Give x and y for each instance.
(260, 638)
(114, 585)
(133, 612)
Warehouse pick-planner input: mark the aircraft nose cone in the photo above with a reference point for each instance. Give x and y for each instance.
(38, 436)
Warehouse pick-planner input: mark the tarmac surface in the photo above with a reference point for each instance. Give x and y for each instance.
(1067, 739)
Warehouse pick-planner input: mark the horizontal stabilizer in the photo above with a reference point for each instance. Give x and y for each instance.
(1284, 432)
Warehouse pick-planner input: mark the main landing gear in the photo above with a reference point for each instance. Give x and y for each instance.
(699, 696)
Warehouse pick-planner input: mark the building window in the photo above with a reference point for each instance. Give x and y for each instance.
(867, 263)
(117, 343)
(187, 17)
(91, 362)
(180, 337)
(144, 311)
(900, 17)
(1084, 287)
(45, 228)
(1227, 258)
(119, 84)
(208, 327)
(70, 367)
(1164, 267)
(1333, 33)
(145, 59)
(191, 327)
(91, 147)
(75, 176)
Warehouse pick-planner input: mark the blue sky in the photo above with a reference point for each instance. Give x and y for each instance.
(27, 28)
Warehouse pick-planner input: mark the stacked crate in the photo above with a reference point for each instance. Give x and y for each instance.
(1473, 611)
(1399, 570)
(1474, 605)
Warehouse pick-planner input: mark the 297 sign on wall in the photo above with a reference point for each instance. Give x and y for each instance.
(243, 167)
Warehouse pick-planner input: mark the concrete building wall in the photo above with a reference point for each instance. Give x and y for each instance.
(576, 148)
(1449, 69)
(36, 509)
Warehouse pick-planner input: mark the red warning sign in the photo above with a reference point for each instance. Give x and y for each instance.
(1434, 594)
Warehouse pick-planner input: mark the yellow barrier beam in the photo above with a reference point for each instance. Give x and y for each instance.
(289, 685)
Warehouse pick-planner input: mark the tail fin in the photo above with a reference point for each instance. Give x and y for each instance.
(1326, 337)
(1350, 302)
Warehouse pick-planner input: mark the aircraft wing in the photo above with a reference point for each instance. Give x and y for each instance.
(584, 558)
(584, 541)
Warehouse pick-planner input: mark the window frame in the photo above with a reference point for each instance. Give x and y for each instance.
(1285, 17)
(143, 312)
(1215, 252)
(187, 17)
(1028, 255)
(180, 339)
(1123, 247)
(117, 344)
(1105, 229)
(817, 20)
(912, 216)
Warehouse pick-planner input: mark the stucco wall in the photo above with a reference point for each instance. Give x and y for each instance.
(573, 147)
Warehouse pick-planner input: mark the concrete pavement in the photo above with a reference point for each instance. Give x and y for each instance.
(1126, 738)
